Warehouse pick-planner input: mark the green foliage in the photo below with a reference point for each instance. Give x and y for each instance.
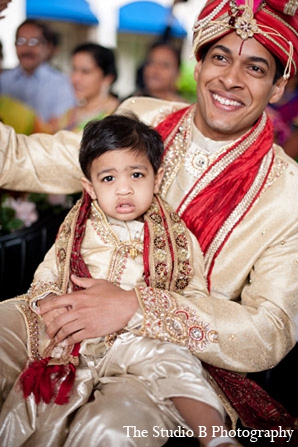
(186, 83)
(8, 220)
(42, 203)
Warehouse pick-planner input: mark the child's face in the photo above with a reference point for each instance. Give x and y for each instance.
(123, 183)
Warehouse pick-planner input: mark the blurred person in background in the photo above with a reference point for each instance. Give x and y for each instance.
(159, 74)
(34, 82)
(1, 56)
(284, 115)
(17, 114)
(93, 73)
(53, 45)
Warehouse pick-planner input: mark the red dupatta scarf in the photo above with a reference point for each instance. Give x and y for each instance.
(225, 192)
(46, 378)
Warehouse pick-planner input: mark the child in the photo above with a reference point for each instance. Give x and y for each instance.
(123, 232)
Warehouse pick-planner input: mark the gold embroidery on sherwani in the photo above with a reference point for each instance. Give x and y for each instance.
(291, 7)
(37, 340)
(219, 165)
(63, 246)
(180, 138)
(278, 168)
(38, 343)
(166, 320)
(40, 288)
(121, 249)
(31, 320)
(170, 256)
(177, 144)
(163, 317)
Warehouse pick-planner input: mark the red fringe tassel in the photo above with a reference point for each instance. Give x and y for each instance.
(47, 382)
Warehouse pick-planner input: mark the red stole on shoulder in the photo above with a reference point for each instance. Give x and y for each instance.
(227, 181)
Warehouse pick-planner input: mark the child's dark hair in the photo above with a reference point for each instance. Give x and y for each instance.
(119, 131)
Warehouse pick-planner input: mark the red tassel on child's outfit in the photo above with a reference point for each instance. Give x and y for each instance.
(49, 382)
(43, 378)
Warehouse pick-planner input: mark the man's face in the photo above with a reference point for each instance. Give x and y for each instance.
(234, 85)
(31, 47)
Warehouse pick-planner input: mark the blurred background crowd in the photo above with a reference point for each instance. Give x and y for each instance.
(59, 70)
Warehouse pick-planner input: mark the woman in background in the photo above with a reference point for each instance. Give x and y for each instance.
(93, 73)
(159, 74)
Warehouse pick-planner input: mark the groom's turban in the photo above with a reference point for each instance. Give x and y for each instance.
(273, 23)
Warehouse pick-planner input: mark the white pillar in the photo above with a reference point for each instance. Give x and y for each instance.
(15, 14)
(107, 14)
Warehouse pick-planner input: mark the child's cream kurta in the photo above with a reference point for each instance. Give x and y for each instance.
(158, 369)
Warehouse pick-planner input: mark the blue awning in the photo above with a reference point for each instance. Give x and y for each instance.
(145, 17)
(62, 10)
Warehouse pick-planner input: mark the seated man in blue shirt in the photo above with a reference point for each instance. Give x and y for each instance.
(34, 81)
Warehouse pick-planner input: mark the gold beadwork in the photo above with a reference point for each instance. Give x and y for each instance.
(170, 236)
(278, 168)
(33, 330)
(135, 246)
(103, 229)
(179, 140)
(164, 319)
(245, 25)
(291, 7)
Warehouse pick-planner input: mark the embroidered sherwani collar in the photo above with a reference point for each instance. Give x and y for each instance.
(184, 137)
(205, 143)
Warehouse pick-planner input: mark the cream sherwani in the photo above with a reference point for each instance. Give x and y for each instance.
(40, 162)
(253, 298)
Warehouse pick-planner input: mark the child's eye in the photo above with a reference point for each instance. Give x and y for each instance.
(108, 178)
(137, 175)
